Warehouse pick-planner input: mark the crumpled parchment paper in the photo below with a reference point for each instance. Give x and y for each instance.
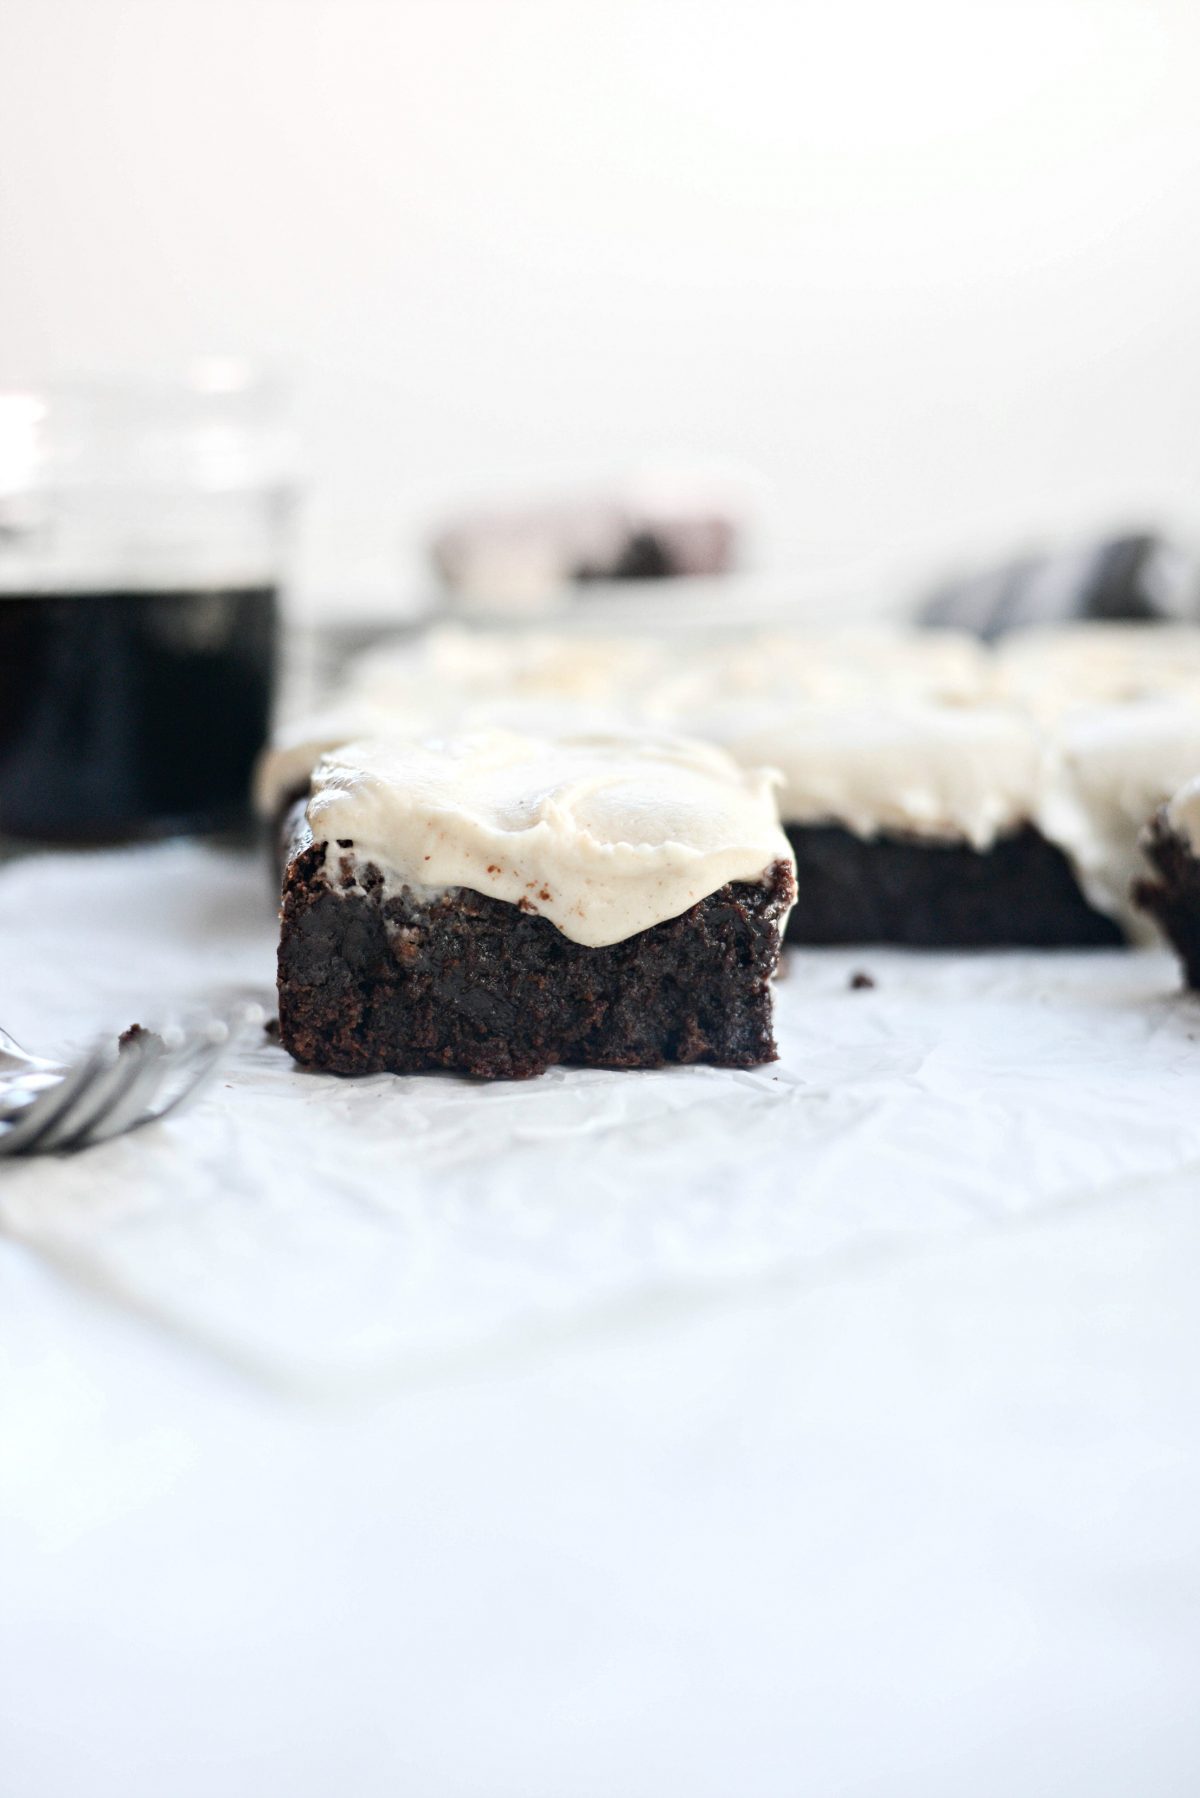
(327, 1233)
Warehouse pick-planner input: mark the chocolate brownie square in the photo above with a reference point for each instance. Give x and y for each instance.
(505, 905)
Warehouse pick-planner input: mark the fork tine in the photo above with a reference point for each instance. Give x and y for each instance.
(36, 1119)
(196, 1065)
(17, 1091)
(183, 1069)
(213, 1040)
(108, 1092)
(131, 1107)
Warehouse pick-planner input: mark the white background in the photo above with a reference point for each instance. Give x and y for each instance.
(933, 270)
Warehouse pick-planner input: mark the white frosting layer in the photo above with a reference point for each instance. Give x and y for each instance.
(455, 679)
(1109, 768)
(1183, 812)
(286, 767)
(1082, 731)
(947, 772)
(604, 835)
(1051, 672)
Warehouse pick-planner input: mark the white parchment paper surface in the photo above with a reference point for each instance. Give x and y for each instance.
(327, 1232)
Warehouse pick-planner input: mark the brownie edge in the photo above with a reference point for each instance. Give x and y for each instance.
(404, 983)
(925, 894)
(1173, 899)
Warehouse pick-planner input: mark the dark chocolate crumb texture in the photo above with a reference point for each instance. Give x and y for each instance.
(1019, 892)
(401, 984)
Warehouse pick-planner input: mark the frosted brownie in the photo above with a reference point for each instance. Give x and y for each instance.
(920, 824)
(495, 903)
(938, 802)
(937, 792)
(939, 827)
(1108, 769)
(1171, 844)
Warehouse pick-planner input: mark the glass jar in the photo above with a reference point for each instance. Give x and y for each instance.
(142, 531)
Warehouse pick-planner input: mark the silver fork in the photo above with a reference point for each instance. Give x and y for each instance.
(50, 1107)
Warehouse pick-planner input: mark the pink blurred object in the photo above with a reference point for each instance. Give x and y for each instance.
(523, 554)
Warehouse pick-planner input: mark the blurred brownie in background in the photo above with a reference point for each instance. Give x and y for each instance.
(520, 556)
(1138, 577)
